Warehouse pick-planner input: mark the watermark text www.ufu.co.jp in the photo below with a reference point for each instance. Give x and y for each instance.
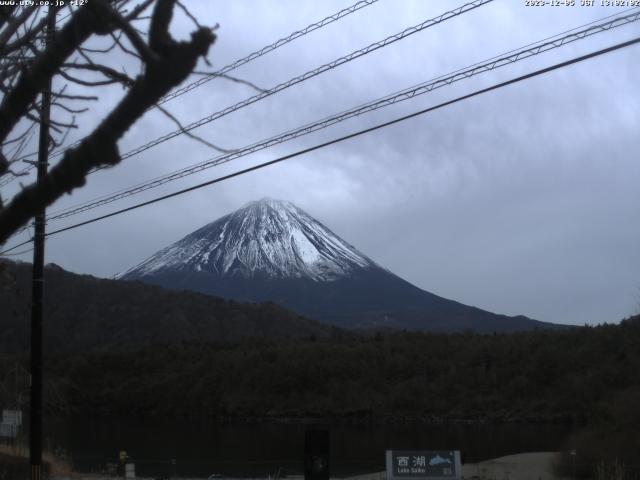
(42, 3)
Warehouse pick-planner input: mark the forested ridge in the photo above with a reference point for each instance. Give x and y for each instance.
(84, 314)
(587, 375)
(569, 375)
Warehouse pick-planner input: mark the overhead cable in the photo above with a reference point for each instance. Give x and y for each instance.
(355, 134)
(406, 94)
(269, 48)
(6, 252)
(310, 74)
(228, 68)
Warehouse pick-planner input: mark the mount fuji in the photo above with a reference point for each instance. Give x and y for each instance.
(270, 250)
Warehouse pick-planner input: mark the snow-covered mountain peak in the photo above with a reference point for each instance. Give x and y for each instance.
(265, 238)
(271, 202)
(269, 206)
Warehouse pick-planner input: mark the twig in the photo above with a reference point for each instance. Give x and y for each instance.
(138, 10)
(188, 13)
(123, 48)
(97, 50)
(103, 69)
(13, 24)
(67, 109)
(86, 83)
(176, 60)
(240, 80)
(75, 97)
(147, 54)
(191, 135)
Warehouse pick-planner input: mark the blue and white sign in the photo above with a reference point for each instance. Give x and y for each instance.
(423, 465)
(12, 417)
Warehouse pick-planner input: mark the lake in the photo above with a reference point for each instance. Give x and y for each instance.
(192, 447)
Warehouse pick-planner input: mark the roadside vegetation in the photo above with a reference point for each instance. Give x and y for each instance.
(586, 375)
(577, 375)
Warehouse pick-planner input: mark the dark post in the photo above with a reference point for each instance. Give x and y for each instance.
(37, 287)
(316, 455)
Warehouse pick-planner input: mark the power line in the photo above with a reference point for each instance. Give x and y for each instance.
(269, 48)
(310, 74)
(16, 254)
(256, 54)
(228, 68)
(480, 67)
(4, 252)
(356, 134)
(301, 78)
(340, 139)
(8, 177)
(420, 89)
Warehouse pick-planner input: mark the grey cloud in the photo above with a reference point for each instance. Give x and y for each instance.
(523, 201)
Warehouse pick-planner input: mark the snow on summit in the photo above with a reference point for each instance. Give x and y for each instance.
(266, 238)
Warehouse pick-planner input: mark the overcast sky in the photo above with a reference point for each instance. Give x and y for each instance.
(521, 201)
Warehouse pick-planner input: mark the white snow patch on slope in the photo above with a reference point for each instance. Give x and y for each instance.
(268, 237)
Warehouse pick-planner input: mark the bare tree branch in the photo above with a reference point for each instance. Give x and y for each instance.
(190, 134)
(86, 83)
(83, 50)
(242, 81)
(29, 36)
(69, 109)
(170, 65)
(5, 13)
(83, 23)
(74, 97)
(188, 14)
(134, 15)
(118, 42)
(20, 136)
(13, 24)
(147, 54)
(103, 69)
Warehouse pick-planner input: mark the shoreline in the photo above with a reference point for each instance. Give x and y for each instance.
(521, 466)
(358, 418)
(382, 419)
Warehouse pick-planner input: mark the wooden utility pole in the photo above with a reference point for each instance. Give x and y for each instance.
(37, 284)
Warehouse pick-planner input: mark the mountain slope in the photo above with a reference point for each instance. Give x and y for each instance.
(268, 238)
(271, 250)
(84, 313)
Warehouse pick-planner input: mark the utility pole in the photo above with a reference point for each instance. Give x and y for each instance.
(37, 284)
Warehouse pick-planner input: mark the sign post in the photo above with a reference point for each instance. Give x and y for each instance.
(316, 455)
(423, 465)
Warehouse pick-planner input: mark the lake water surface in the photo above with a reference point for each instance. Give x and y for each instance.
(191, 447)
